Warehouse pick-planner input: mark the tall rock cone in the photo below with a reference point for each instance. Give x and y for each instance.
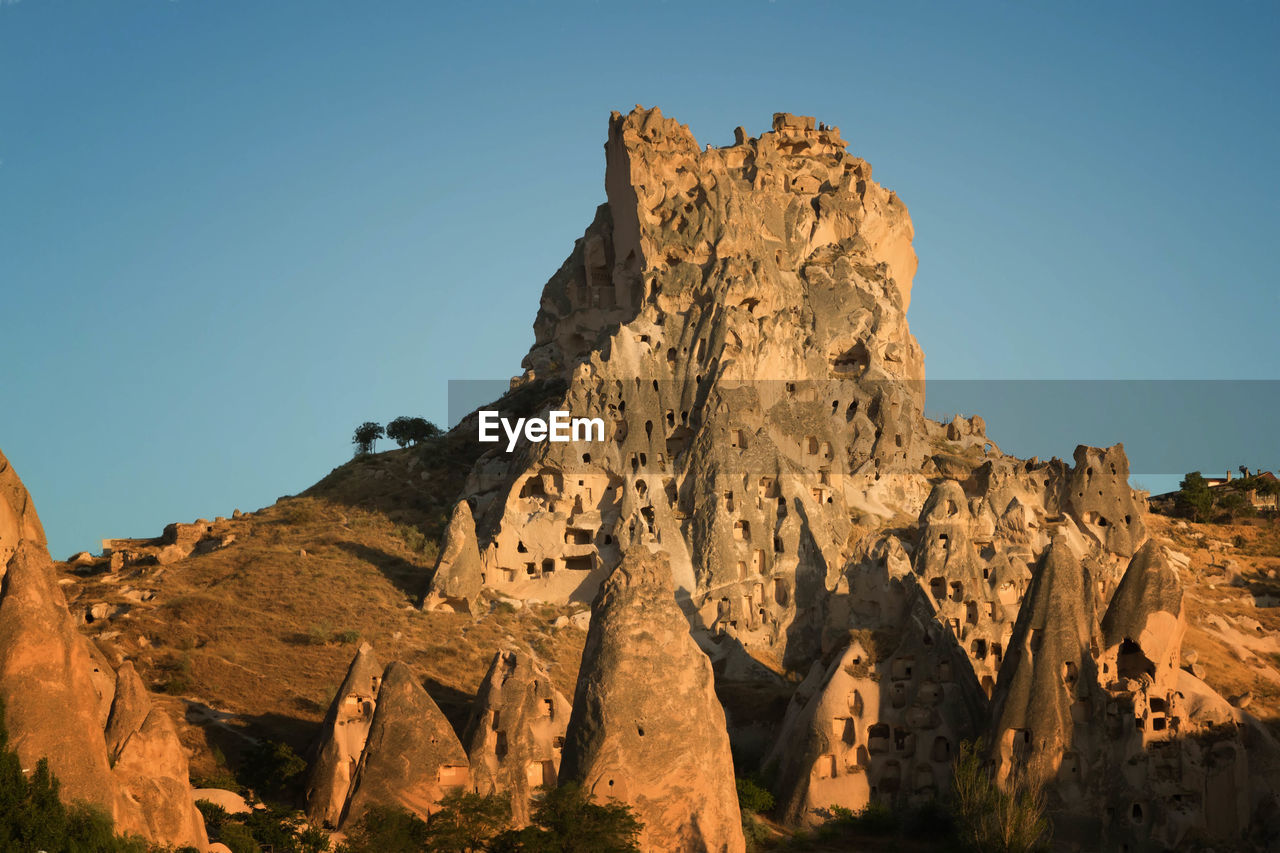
(151, 769)
(515, 736)
(1047, 705)
(46, 675)
(412, 757)
(343, 736)
(457, 580)
(49, 683)
(647, 729)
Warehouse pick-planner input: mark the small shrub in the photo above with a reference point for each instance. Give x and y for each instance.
(994, 818)
(347, 637)
(753, 798)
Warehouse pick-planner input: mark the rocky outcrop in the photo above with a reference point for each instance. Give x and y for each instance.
(412, 757)
(343, 737)
(150, 769)
(46, 682)
(458, 576)
(55, 692)
(515, 736)
(1048, 697)
(647, 729)
(882, 723)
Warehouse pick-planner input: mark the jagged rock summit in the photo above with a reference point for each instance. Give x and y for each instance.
(737, 318)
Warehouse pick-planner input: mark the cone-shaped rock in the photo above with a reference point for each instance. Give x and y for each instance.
(150, 768)
(129, 708)
(516, 732)
(884, 722)
(1049, 679)
(457, 580)
(46, 680)
(1145, 620)
(647, 728)
(343, 737)
(54, 693)
(412, 757)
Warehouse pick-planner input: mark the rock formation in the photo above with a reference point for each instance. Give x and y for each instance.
(54, 692)
(345, 732)
(410, 757)
(882, 723)
(647, 728)
(515, 736)
(150, 768)
(458, 577)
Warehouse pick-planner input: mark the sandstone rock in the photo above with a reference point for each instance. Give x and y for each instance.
(883, 725)
(1049, 682)
(152, 776)
(1145, 621)
(412, 756)
(515, 736)
(229, 801)
(647, 728)
(343, 736)
(1100, 496)
(46, 679)
(129, 709)
(458, 578)
(54, 687)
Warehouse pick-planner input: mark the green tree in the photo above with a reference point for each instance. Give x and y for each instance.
(405, 431)
(1234, 505)
(566, 821)
(271, 766)
(467, 822)
(366, 437)
(1195, 498)
(388, 830)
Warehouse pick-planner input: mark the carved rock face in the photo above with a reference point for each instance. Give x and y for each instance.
(647, 728)
(515, 737)
(411, 757)
(343, 737)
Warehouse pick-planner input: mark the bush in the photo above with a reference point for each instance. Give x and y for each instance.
(753, 798)
(992, 818)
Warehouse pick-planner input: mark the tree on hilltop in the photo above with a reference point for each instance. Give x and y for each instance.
(1195, 498)
(405, 431)
(366, 436)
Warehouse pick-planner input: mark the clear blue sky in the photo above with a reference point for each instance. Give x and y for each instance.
(230, 231)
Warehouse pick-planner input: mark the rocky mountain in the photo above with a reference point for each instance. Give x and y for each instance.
(788, 570)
